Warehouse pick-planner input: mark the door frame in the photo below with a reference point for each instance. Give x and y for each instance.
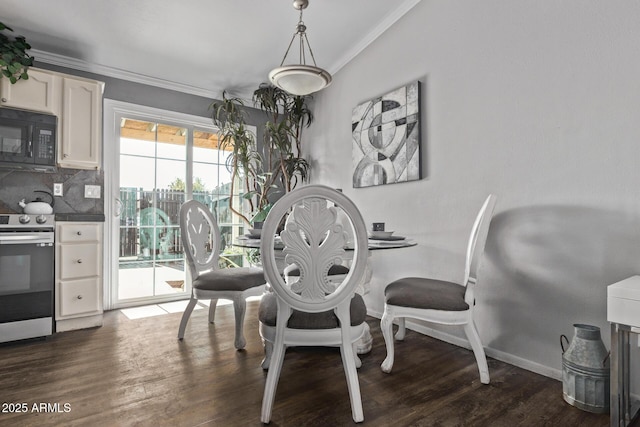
(114, 111)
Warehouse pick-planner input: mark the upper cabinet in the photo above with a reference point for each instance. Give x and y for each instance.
(80, 145)
(75, 100)
(41, 92)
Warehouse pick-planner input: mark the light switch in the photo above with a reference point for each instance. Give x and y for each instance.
(92, 191)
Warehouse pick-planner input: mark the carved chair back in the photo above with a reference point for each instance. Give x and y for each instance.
(200, 237)
(313, 238)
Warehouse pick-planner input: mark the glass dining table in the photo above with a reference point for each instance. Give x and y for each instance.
(251, 242)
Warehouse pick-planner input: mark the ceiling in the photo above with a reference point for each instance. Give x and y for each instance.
(197, 46)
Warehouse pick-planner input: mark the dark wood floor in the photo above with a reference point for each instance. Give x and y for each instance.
(135, 372)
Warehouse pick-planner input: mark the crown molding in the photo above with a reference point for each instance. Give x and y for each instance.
(81, 65)
(398, 13)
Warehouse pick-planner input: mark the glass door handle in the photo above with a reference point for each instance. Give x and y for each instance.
(118, 209)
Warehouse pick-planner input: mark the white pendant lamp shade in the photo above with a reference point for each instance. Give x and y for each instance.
(300, 79)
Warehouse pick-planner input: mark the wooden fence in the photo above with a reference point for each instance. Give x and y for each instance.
(150, 227)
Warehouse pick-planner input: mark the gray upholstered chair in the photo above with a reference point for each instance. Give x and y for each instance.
(201, 240)
(315, 309)
(440, 301)
(336, 272)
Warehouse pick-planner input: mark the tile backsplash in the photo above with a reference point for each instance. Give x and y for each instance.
(17, 185)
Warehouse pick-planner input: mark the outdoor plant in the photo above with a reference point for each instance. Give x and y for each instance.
(279, 165)
(14, 60)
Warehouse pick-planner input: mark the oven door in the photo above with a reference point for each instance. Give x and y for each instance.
(26, 275)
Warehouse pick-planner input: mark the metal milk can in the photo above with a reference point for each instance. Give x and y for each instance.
(585, 370)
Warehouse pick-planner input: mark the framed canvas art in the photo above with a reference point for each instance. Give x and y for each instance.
(386, 138)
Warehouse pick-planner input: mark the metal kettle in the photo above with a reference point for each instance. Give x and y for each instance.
(37, 206)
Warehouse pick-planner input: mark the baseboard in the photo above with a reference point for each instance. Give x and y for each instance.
(79, 323)
(493, 353)
(490, 352)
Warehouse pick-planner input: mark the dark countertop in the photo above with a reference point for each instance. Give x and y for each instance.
(80, 217)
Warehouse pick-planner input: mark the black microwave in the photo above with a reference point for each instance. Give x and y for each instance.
(27, 140)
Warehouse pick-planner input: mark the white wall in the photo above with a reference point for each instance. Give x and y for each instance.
(536, 101)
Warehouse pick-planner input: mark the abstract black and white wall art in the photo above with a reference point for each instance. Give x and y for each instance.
(386, 138)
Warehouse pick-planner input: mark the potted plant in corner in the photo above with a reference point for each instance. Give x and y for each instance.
(14, 60)
(287, 115)
(244, 162)
(279, 166)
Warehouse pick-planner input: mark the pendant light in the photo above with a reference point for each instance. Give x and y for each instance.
(300, 79)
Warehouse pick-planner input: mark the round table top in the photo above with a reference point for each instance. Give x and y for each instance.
(374, 244)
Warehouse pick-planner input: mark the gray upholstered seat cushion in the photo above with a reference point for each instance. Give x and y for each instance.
(301, 320)
(230, 279)
(432, 294)
(333, 270)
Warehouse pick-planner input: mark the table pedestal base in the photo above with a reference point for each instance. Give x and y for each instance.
(364, 344)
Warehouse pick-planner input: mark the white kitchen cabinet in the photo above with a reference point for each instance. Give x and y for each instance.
(40, 92)
(78, 275)
(81, 124)
(76, 101)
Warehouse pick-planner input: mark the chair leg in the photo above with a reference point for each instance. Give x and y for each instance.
(212, 310)
(185, 317)
(275, 366)
(402, 330)
(350, 369)
(478, 351)
(386, 325)
(239, 306)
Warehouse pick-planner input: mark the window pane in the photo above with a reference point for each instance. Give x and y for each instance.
(170, 174)
(137, 172)
(137, 147)
(137, 137)
(172, 142)
(205, 147)
(205, 177)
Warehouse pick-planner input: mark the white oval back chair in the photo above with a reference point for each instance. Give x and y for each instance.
(201, 240)
(315, 309)
(440, 301)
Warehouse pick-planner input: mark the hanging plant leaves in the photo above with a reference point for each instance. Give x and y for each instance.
(14, 61)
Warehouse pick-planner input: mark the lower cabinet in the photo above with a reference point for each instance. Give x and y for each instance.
(78, 275)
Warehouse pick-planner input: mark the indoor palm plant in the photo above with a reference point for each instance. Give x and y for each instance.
(275, 167)
(244, 162)
(14, 60)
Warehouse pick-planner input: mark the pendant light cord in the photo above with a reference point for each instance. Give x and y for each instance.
(300, 32)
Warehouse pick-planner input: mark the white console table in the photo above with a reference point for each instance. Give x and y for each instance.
(623, 311)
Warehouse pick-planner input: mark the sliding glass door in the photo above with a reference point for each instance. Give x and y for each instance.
(159, 160)
(153, 159)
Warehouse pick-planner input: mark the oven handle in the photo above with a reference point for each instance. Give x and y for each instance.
(21, 239)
